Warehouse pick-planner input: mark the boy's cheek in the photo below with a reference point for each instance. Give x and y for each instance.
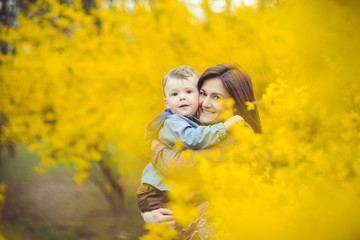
(166, 103)
(196, 100)
(197, 96)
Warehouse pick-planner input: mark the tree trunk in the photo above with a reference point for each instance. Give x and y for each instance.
(116, 196)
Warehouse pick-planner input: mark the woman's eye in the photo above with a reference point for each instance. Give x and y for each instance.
(217, 98)
(203, 94)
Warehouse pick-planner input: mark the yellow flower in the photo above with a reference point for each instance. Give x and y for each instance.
(39, 170)
(160, 231)
(80, 177)
(178, 145)
(250, 106)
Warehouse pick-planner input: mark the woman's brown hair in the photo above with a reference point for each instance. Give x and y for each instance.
(238, 84)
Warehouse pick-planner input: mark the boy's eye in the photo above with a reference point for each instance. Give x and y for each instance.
(188, 91)
(173, 94)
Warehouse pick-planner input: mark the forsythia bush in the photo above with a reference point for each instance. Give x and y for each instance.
(78, 83)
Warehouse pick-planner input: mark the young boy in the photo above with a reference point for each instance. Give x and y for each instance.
(177, 121)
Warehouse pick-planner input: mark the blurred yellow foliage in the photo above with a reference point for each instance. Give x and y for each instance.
(78, 83)
(159, 232)
(39, 169)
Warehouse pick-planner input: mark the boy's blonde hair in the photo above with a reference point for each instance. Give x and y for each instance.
(183, 72)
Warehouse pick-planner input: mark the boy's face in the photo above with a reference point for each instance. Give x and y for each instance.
(182, 96)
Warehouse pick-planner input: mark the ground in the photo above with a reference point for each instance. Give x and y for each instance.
(52, 206)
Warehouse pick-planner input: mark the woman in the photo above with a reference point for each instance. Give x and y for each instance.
(223, 81)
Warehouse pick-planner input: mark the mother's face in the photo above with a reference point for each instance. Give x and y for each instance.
(210, 108)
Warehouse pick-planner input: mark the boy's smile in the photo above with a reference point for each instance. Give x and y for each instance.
(182, 96)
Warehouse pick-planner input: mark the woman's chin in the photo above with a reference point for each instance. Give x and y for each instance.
(206, 119)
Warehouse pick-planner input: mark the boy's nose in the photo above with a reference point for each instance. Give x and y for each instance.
(182, 96)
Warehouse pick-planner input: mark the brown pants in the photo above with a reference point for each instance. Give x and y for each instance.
(150, 198)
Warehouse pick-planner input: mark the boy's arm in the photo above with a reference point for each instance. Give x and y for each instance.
(192, 135)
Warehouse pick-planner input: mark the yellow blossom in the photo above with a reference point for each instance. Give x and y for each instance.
(79, 88)
(250, 106)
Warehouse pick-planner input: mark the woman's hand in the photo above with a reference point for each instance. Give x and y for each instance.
(154, 143)
(158, 216)
(231, 121)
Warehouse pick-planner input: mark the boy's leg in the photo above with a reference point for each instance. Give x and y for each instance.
(150, 198)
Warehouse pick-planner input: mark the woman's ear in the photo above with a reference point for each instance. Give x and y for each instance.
(235, 110)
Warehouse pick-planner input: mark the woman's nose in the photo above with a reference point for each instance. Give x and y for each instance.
(206, 102)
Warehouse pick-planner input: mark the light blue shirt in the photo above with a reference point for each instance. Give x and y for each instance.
(193, 134)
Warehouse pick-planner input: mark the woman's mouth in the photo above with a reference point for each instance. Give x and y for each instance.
(206, 111)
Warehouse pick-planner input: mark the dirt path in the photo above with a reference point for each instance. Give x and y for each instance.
(54, 207)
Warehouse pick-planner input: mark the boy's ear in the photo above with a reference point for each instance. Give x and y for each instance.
(167, 106)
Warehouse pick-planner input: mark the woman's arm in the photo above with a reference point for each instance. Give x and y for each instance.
(162, 155)
(161, 158)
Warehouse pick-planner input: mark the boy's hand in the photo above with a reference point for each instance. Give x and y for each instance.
(231, 121)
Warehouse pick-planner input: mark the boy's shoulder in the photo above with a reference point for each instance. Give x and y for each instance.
(179, 119)
(152, 129)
